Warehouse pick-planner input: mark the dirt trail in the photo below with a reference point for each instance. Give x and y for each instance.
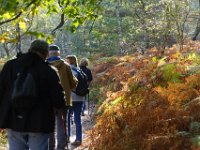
(87, 124)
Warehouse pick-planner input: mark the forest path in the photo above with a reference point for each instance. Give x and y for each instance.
(87, 124)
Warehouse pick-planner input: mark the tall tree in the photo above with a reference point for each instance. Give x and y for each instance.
(197, 30)
(119, 28)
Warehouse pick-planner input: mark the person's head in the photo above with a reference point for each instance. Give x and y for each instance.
(72, 60)
(84, 62)
(40, 48)
(54, 50)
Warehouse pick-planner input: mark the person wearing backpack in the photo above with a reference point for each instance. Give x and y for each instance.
(83, 66)
(29, 125)
(77, 101)
(68, 82)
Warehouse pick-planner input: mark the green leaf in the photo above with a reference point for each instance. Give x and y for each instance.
(75, 23)
(22, 25)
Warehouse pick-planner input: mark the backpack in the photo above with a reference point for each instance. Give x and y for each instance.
(24, 91)
(82, 86)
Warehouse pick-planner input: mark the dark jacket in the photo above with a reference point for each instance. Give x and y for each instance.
(50, 93)
(88, 72)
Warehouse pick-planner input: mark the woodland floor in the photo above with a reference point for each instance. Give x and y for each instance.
(87, 124)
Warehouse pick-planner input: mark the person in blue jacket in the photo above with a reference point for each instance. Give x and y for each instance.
(77, 102)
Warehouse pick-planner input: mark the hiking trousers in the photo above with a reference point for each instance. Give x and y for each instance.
(76, 110)
(27, 140)
(58, 139)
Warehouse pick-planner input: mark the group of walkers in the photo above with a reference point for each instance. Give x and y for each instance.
(42, 122)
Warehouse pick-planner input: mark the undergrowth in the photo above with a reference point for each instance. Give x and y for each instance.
(3, 138)
(152, 103)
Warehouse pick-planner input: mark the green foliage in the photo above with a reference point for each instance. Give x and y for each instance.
(15, 11)
(3, 138)
(195, 58)
(170, 73)
(97, 94)
(195, 128)
(196, 140)
(106, 60)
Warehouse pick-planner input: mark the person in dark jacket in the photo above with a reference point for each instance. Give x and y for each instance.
(31, 128)
(84, 67)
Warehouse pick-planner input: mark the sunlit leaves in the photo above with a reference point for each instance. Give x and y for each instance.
(194, 57)
(37, 34)
(76, 10)
(7, 15)
(71, 11)
(22, 25)
(7, 36)
(170, 73)
(3, 134)
(64, 2)
(53, 9)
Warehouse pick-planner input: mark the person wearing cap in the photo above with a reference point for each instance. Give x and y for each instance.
(68, 82)
(33, 131)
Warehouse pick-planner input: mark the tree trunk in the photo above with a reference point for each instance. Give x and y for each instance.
(197, 30)
(6, 49)
(119, 28)
(66, 39)
(18, 45)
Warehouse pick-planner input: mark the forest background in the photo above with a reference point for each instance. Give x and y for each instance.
(140, 51)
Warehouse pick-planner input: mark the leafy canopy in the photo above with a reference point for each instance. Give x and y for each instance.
(22, 12)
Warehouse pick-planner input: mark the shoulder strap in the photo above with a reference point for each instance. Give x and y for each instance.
(75, 69)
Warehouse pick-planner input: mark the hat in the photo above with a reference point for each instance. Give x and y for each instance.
(39, 46)
(54, 48)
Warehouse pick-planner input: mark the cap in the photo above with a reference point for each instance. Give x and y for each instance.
(54, 48)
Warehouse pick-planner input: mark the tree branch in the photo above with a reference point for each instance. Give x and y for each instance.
(9, 20)
(18, 15)
(92, 26)
(62, 21)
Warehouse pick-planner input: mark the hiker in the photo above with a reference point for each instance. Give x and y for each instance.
(83, 66)
(29, 126)
(77, 102)
(68, 82)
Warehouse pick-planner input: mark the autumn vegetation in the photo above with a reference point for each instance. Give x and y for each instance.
(146, 69)
(151, 100)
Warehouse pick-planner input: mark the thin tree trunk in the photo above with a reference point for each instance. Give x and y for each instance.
(6, 49)
(119, 28)
(66, 39)
(63, 47)
(197, 30)
(90, 40)
(18, 45)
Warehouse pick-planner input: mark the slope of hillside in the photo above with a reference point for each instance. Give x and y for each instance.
(149, 101)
